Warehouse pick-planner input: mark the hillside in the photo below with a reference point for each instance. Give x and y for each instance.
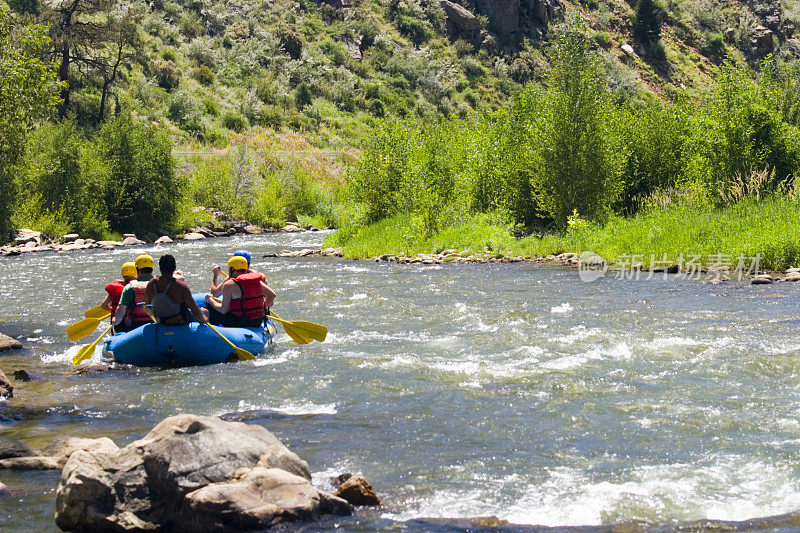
(205, 67)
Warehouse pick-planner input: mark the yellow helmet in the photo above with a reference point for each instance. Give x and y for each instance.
(129, 270)
(237, 262)
(144, 261)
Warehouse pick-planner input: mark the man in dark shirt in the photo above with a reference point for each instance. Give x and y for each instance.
(171, 298)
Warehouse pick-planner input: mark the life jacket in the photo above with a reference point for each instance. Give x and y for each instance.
(165, 307)
(114, 289)
(251, 304)
(136, 313)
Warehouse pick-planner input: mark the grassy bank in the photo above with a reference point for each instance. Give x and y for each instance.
(769, 228)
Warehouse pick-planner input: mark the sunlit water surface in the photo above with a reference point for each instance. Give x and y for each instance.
(459, 391)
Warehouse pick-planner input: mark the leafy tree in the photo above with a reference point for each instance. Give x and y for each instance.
(647, 22)
(142, 190)
(92, 40)
(578, 169)
(27, 93)
(739, 133)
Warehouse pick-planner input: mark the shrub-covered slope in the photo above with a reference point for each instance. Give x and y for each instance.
(327, 68)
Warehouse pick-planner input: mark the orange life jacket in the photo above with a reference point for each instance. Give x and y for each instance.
(114, 289)
(135, 313)
(251, 303)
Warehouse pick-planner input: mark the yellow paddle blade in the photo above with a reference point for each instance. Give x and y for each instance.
(241, 353)
(295, 335)
(86, 351)
(97, 312)
(318, 332)
(81, 329)
(308, 330)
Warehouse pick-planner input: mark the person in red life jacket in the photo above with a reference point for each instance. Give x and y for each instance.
(171, 297)
(245, 297)
(130, 314)
(114, 289)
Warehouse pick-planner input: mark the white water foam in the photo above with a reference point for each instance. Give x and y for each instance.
(298, 408)
(563, 308)
(620, 351)
(727, 488)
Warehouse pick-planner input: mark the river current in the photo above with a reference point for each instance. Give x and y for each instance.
(460, 391)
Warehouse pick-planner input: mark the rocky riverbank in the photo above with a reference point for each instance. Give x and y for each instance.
(568, 259)
(189, 473)
(28, 241)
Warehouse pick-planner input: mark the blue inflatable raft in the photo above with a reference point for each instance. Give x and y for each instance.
(189, 344)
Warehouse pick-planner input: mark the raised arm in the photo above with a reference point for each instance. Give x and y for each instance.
(216, 290)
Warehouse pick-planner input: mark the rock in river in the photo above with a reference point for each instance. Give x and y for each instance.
(12, 448)
(7, 343)
(358, 491)
(56, 455)
(28, 375)
(6, 389)
(190, 473)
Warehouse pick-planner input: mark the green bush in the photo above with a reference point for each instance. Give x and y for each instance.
(204, 75)
(142, 190)
(302, 96)
(167, 75)
(739, 132)
(234, 121)
(715, 43)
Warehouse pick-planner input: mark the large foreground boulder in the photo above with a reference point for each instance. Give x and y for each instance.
(190, 473)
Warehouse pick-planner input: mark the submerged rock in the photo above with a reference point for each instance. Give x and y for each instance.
(190, 473)
(11, 448)
(28, 375)
(94, 368)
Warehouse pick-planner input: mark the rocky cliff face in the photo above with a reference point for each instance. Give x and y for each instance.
(508, 18)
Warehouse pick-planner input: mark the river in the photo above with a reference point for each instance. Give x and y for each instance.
(460, 391)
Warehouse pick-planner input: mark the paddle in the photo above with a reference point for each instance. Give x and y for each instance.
(86, 351)
(243, 354)
(97, 312)
(84, 327)
(303, 328)
(300, 331)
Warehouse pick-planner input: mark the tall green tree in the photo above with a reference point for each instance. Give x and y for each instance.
(141, 188)
(578, 169)
(647, 22)
(28, 92)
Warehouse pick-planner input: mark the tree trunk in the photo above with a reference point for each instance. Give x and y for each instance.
(63, 77)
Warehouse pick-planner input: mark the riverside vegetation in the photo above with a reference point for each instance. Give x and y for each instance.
(537, 141)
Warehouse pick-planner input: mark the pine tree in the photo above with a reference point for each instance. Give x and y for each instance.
(647, 22)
